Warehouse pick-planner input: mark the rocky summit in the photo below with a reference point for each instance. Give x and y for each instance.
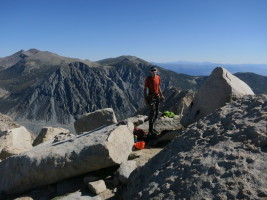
(220, 153)
(222, 156)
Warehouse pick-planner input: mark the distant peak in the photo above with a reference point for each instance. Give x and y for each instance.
(128, 57)
(22, 53)
(33, 51)
(122, 59)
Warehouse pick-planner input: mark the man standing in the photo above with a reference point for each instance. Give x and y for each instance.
(152, 95)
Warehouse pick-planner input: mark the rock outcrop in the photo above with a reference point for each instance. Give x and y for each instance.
(177, 101)
(163, 124)
(14, 141)
(97, 187)
(63, 136)
(51, 163)
(48, 133)
(7, 123)
(220, 87)
(3, 93)
(137, 120)
(94, 120)
(222, 156)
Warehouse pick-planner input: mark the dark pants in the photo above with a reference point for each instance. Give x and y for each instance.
(153, 103)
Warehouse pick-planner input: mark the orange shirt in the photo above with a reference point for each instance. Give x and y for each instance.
(153, 83)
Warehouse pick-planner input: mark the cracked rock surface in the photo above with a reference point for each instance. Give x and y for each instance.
(222, 156)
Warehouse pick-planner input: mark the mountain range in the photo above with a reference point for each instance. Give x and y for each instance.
(205, 68)
(39, 88)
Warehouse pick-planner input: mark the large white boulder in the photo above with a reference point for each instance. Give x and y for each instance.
(14, 141)
(47, 164)
(94, 120)
(220, 87)
(48, 133)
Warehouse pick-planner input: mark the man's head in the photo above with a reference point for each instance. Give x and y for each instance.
(153, 71)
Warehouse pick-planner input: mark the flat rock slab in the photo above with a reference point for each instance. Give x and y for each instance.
(94, 120)
(47, 164)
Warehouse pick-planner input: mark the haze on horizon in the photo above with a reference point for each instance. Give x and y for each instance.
(232, 32)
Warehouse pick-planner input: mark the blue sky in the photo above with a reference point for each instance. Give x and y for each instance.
(221, 31)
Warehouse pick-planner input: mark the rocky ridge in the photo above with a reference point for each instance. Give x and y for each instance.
(222, 156)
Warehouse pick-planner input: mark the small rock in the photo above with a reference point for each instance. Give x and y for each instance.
(125, 170)
(97, 187)
(134, 155)
(115, 190)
